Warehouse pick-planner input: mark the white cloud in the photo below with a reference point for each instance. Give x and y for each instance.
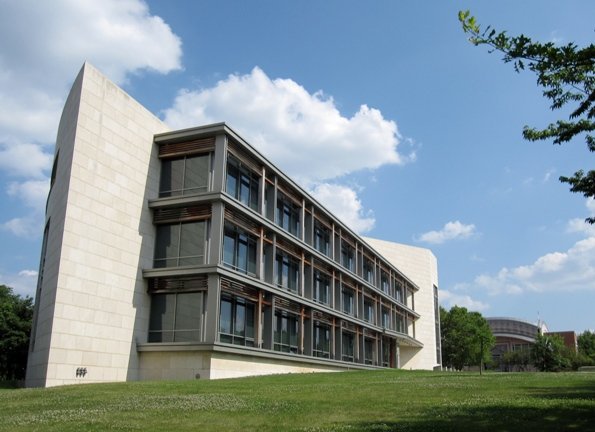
(32, 192)
(449, 299)
(556, 272)
(344, 203)
(579, 225)
(41, 58)
(42, 47)
(303, 133)
(450, 231)
(24, 160)
(23, 283)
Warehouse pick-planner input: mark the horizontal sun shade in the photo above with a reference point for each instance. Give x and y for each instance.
(196, 283)
(239, 288)
(319, 316)
(287, 305)
(186, 147)
(247, 160)
(242, 221)
(181, 214)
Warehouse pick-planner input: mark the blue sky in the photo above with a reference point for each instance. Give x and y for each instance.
(427, 126)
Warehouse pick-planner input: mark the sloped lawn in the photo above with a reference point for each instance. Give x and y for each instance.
(350, 401)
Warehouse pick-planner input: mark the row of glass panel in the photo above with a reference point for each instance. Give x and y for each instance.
(190, 175)
(185, 244)
(178, 317)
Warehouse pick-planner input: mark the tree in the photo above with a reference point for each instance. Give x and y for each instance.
(466, 338)
(586, 344)
(548, 353)
(566, 74)
(16, 315)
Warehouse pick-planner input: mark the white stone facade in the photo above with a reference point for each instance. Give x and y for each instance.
(91, 303)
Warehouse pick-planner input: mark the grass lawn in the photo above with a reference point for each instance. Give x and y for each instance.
(390, 400)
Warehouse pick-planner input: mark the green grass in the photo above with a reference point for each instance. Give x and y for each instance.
(350, 401)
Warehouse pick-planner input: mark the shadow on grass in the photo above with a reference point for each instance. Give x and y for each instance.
(563, 409)
(486, 419)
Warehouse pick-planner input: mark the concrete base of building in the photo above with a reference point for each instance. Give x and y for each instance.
(189, 362)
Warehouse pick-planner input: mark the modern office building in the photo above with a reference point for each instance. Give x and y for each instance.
(187, 254)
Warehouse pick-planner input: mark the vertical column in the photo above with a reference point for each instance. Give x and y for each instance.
(219, 163)
(262, 192)
(212, 312)
(269, 324)
(258, 321)
(216, 241)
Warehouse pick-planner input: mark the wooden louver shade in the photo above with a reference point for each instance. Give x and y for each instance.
(195, 283)
(186, 147)
(241, 289)
(181, 214)
(242, 221)
(287, 305)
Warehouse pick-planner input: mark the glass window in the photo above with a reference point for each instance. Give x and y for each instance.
(242, 183)
(184, 176)
(369, 310)
(236, 321)
(386, 352)
(286, 332)
(347, 256)
(288, 215)
(347, 345)
(175, 317)
(321, 238)
(321, 287)
(180, 244)
(369, 351)
(368, 273)
(288, 272)
(348, 301)
(322, 340)
(384, 282)
(386, 319)
(239, 250)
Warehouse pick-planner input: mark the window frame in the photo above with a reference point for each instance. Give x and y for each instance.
(244, 176)
(283, 261)
(234, 336)
(292, 321)
(176, 312)
(180, 245)
(240, 238)
(183, 190)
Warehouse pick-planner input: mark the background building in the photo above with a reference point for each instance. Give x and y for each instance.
(186, 254)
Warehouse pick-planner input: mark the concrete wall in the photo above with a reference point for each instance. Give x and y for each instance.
(188, 364)
(421, 267)
(93, 303)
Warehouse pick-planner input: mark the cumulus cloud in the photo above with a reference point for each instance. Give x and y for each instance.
(343, 202)
(572, 270)
(32, 192)
(301, 132)
(42, 47)
(23, 283)
(578, 225)
(450, 231)
(449, 299)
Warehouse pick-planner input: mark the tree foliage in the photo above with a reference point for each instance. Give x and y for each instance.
(549, 353)
(586, 344)
(466, 338)
(566, 74)
(16, 315)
